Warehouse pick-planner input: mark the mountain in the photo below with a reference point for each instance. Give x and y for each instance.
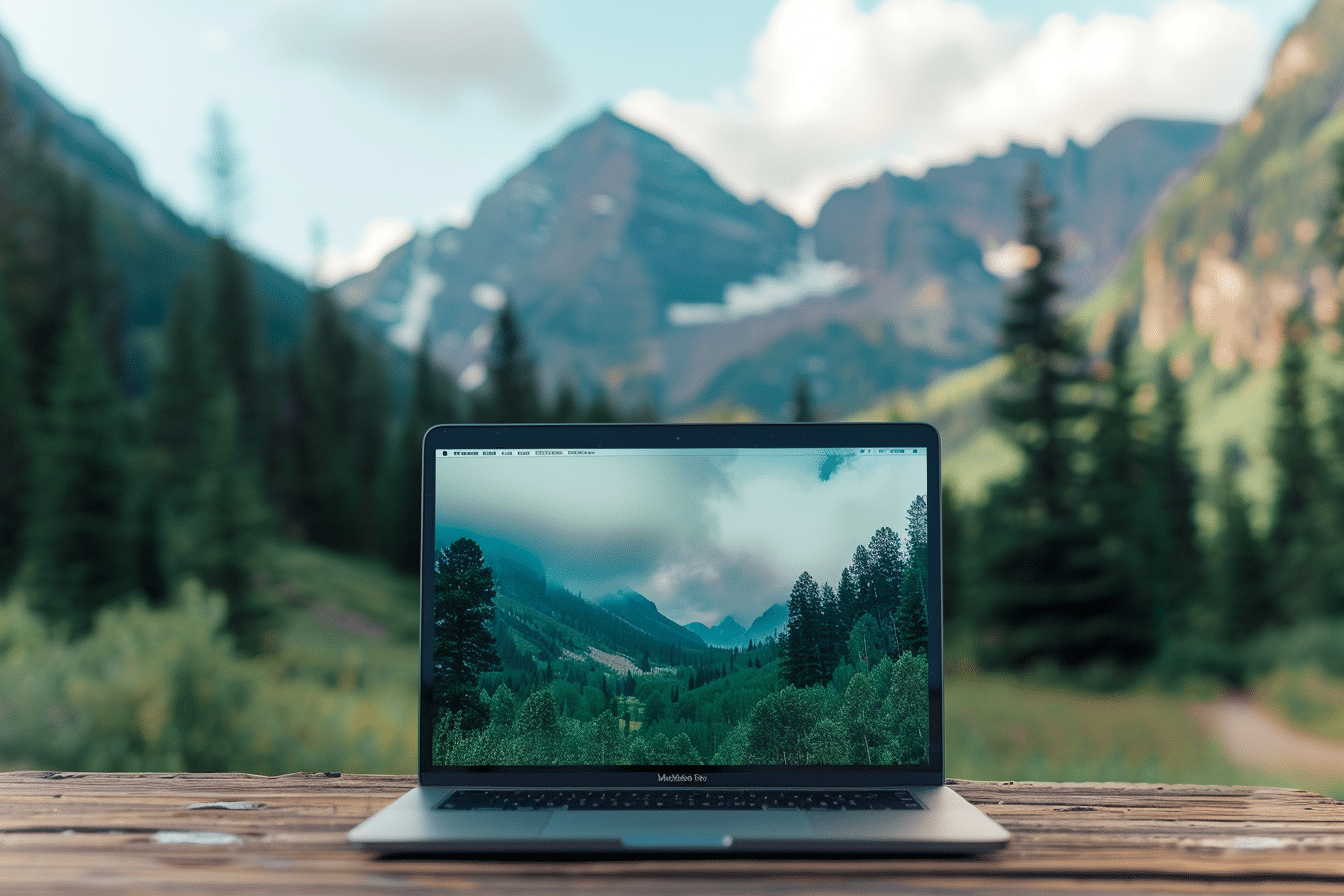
(730, 633)
(768, 624)
(1208, 282)
(640, 612)
(146, 248)
(631, 268)
(594, 241)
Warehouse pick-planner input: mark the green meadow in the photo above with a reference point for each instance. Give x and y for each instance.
(163, 689)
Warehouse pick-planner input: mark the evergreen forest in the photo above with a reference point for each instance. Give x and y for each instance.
(528, 673)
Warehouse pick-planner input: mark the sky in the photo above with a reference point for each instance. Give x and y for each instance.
(702, 537)
(361, 121)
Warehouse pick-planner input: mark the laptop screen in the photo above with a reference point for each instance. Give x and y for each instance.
(634, 604)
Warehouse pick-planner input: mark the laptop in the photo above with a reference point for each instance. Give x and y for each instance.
(707, 638)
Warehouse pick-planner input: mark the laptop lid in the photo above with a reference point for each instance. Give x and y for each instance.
(735, 605)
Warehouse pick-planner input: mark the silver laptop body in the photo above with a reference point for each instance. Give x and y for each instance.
(710, 638)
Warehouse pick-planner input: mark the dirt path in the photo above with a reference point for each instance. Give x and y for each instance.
(1254, 739)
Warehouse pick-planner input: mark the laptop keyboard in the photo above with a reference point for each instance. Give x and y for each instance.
(531, 800)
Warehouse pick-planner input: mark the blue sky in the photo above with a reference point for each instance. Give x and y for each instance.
(372, 117)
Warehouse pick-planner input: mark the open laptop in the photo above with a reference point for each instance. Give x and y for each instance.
(674, 637)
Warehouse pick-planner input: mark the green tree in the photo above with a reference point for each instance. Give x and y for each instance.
(1049, 593)
(886, 572)
(16, 450)
(511, 377)
(227, 525)
(235, 336)
(334, 444)
(1175, 557)
(464, 646)
(912, 619)
(954, 556)
(185, 384)
(802, 647)
(1302, 522)
(803, 412)
(55, 262)
(433, 400)
(78, 536)
(1243, 601)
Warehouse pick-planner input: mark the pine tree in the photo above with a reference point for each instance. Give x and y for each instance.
(511, 378)
(887, 573)
(227, 525)
(912, 619)
(831, 634)
(1121, 490)
(1301, 535)
(1176, 562)
(78, 536)
(803, 412)
(334, 443)
(56, 264)
(954, 540)
(1243, 601)
(802, 649)
(182, 393)
(235, 336)
(432, 401)
(1050, 594)
(464, 647)
(16, 450)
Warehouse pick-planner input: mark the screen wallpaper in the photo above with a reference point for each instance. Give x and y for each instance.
(649, 608)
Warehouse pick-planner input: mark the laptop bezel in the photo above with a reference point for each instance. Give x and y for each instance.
(689, 435)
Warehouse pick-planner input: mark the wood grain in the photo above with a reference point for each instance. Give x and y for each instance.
(149, 833)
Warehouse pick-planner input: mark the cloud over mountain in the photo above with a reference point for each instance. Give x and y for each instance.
(915, 83)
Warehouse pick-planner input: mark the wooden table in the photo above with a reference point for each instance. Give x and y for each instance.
(152, 833)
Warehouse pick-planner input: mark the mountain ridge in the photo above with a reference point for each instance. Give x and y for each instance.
(632, 269)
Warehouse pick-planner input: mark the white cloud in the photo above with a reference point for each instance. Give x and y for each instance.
(380, 237)
(434, 50)
(835, 94)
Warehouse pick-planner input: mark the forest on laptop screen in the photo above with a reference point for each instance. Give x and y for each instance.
(636, 609)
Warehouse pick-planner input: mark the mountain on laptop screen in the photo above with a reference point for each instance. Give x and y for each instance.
(650, 607)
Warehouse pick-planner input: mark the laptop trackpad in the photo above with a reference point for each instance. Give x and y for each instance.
(683, 829)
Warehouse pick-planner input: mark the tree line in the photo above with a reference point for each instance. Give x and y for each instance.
(1091, 555)
(116, 485)
(879, 609)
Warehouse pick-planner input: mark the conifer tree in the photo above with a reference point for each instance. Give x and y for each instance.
(432, 401)
(1050, 595)
(182, 392)
(954, 539)
(334, 442)
(913, 616)
(802, 649)
(464, 647)
(1175, 561)
(803, 412)
(16, 450)
(78, 536)
(511, 378)
(1301, 535)
(235, 336)
(1242, 599)
(58, 264)
(887, 573)
(1120, 486)
(227, 524)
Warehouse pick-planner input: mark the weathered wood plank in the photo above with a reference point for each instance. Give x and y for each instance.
(229, 833)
